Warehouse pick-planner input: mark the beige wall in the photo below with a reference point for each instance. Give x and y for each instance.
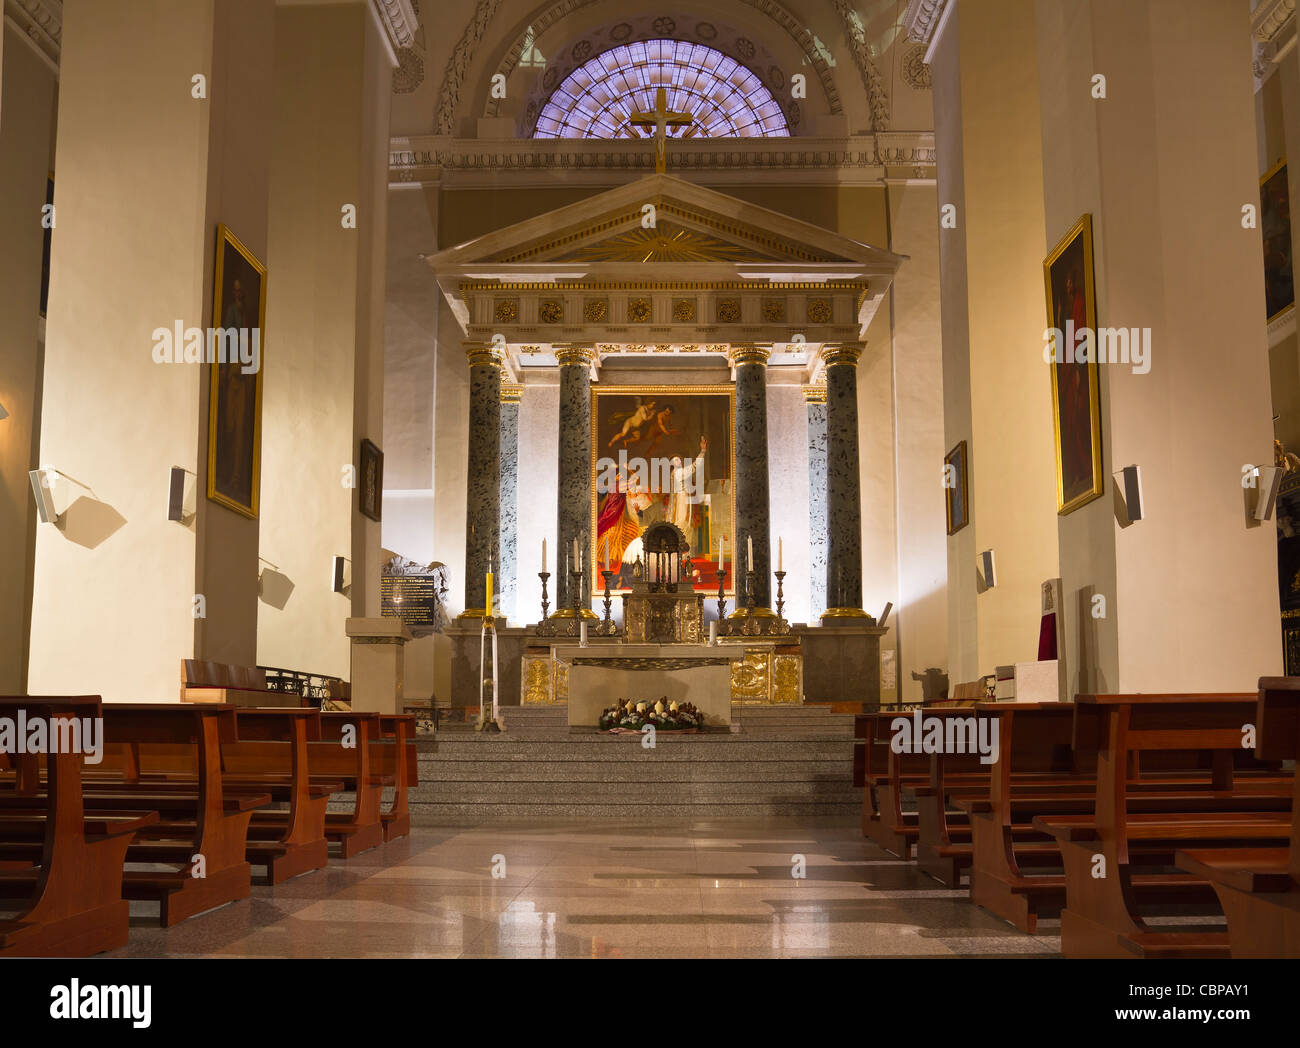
(323, 386)
(27, 103)
(988, 138)
(1191, 592)
(145, 173)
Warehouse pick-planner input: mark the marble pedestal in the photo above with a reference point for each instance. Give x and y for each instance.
(841, 661)
(599, 677)
(378, 663)
(466, 673)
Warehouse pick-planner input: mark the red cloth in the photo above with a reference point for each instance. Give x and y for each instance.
(1047, 637)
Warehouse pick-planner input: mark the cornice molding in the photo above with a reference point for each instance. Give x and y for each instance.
(864, 158)
(921, 19)
(42, 22)
(1273, 33)
(399, 20)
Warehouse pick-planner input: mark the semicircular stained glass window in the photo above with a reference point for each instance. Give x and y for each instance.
(724, 98)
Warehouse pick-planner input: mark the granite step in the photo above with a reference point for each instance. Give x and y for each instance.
(836, 791)
(468, 814)
(630, 771)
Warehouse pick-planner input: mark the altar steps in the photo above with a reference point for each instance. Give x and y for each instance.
(798, 762)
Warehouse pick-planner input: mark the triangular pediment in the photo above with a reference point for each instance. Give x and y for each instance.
(663, 220)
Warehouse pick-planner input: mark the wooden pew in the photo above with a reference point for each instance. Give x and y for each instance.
(345, 752)
(396, 755)
(1259, 888)
(209, 819)
(73, 891)
(1101, 917)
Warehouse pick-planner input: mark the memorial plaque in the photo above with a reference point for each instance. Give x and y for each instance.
(416, 594)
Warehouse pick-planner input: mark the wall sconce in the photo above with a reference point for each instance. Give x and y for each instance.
(181, 495)
(50, 490)
(3, 413)
(341, 575)
(989, 569)
(1268, 479)
(1129, 480)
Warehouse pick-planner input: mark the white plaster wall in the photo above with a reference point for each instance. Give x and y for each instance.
(539, 452)
(920, 624)
(145, 173)
(787, 443)
(27, 102)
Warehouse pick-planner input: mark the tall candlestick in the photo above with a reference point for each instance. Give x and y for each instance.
(749, 563)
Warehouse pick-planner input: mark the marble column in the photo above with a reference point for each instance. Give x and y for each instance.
(752, 508)
(573, 495)
(843, 484)
(815, 398)
(507, 573)
(483, 484)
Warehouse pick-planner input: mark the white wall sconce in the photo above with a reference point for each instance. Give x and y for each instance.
(50, 490)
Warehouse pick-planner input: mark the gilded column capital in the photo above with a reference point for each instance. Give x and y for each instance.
(484, 354)
(814, 394)
(841, 353)
(511, 392)
(580, 354)
(749, 353)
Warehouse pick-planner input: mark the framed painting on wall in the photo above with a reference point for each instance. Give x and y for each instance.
(662, 453)
(370, 482)
(1275, 224)
(955, 490)
(1076, 398)
(235, 379)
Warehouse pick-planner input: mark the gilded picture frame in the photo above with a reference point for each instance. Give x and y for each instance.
(235, 391)
(370, 481)
(957, 495)
(660, 424)
(1275, 231)
(1076, 392)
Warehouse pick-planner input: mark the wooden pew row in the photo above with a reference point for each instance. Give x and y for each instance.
(1259, 887)
(1108, 852)
(69, 900)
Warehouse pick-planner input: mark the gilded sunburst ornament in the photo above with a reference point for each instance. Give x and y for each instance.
(663, 244)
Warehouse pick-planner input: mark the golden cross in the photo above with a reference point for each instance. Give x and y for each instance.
(661, 118)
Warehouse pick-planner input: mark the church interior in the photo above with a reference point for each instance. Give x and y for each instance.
(830, 468)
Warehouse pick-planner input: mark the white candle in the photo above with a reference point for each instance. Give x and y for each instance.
(607, 551)
(780, 553)
(582, 633)
(713, 633)
(543, 554)
(749, 563)
(576, 561)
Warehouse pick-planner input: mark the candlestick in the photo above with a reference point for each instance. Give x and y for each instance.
(780, 595)
(607, 627)
(546, 604)
(722, 594)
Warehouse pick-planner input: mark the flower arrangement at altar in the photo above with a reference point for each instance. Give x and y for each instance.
(633, 715)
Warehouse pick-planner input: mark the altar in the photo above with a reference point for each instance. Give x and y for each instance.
(601, 676)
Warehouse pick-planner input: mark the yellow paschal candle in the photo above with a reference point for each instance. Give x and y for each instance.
(488, 601)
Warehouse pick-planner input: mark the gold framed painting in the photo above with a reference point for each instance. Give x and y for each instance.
(1275, 225)
(956, 495)
(662, 453)
(235, 376)
(1076, 396)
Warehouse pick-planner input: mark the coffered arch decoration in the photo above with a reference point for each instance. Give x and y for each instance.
(621, 28)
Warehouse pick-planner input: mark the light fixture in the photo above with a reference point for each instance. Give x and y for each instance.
(989, 569)
(341, 575)
(50, 491)
(3, 413)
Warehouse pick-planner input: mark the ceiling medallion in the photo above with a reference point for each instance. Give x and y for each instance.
(551, 312)
(595, 310)
(819, 310)
(665, 26)
(773, 310)
(638, 311)
(684, 310)
(706, 30)
(507, 310)
(729, 311)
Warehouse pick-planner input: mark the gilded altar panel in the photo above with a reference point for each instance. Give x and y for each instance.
(751, 677)
(538, 689)
(787, 679)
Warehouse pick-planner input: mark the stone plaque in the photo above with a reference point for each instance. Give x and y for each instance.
(416, 594)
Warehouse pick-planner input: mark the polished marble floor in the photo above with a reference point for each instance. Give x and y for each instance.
(654, 888)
